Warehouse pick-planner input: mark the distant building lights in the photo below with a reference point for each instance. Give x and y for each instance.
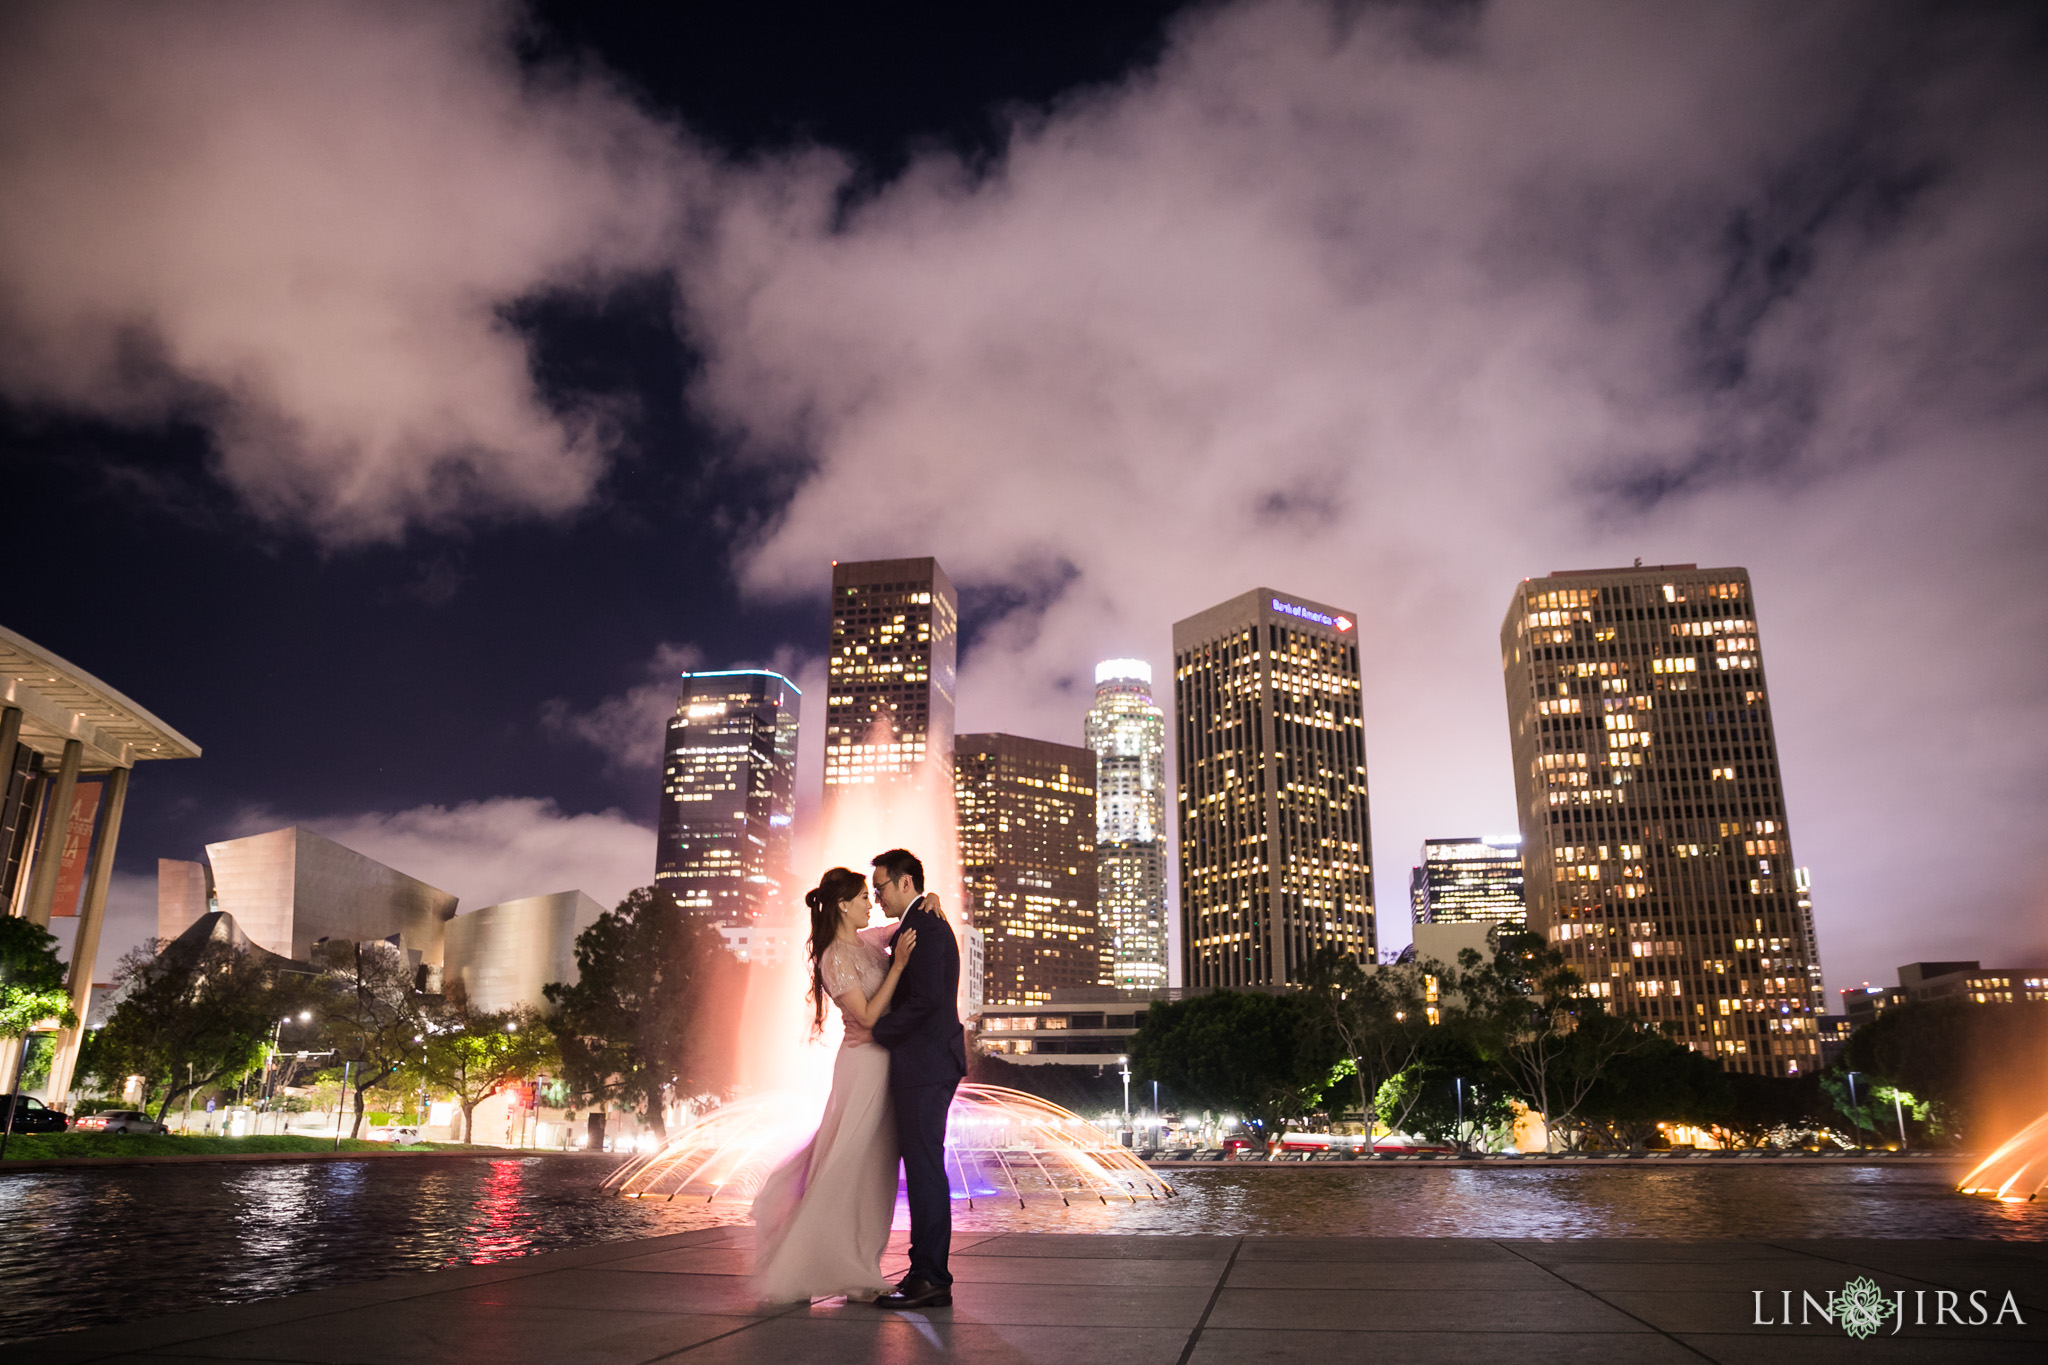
(1123, 668)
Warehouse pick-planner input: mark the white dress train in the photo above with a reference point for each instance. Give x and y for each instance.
(822, 1218)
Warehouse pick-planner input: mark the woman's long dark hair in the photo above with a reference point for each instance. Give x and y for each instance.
(833, 889)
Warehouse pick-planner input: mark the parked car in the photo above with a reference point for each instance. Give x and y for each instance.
(31, 1115)
(120, 1121)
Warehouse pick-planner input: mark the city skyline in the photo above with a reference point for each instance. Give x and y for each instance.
(406, 454)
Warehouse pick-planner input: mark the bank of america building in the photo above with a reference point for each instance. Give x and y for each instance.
(1656, 848)
(1270, 789)
(728, 788)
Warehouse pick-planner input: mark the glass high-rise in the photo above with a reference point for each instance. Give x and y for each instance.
(728, 792)
(1654, 833)
(1127, 731)
(895, 641)
(1027, 859)
(1469, 880)
(1275, 834)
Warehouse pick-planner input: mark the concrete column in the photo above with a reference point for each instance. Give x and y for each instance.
(10, 732)
(49, 850)
(85, 948)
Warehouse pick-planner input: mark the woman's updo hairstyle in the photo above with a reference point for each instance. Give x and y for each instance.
(833, 890)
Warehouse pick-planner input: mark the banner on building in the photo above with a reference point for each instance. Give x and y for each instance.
(85, 806)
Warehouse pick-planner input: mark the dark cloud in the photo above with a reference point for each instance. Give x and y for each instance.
(300, 227)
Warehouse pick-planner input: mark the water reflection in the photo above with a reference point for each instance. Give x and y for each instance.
(84, 1247)
(500, 1222)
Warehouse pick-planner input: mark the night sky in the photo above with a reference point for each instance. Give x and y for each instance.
(392, 398)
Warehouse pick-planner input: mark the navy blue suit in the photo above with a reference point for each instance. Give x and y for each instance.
(927, 1058)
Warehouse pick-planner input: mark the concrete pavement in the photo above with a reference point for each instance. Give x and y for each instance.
(1051, 1299)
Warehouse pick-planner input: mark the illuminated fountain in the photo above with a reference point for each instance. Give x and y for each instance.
(1000, 1144)
(2017, 1171)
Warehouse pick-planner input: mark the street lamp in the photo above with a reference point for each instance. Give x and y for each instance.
(1125, 1064)
(1855, 1108)
(1899, 1112)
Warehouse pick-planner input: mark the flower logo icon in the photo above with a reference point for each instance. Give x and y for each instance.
(1861, 1307)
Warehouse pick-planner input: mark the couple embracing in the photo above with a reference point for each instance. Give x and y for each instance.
(822, 1218)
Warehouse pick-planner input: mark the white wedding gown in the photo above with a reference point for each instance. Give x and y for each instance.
(822, 1218)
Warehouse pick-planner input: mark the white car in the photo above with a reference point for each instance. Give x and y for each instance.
(119, 1121)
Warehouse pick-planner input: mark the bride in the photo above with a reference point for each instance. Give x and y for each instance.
(822, 1218)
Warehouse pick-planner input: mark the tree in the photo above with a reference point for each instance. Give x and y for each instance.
(1079, 1089)
(634, 1027)
(190, 1015)
(1376, 1020)
(1259, 1055)
(1651, 1081)
(1528, 1013)
(473, 1054)
(372, 1013)
(1969, 1071)
(31, 979)
(1761, 1107)
(1448, 1094)
(31, 990)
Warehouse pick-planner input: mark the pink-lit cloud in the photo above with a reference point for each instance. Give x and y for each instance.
(1394, 312)
(1385, 307)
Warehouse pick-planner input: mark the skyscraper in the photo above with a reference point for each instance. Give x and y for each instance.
(895, 639)
(1127, 732)
(1275, 835)
(1654, 835)
(728, 791)
(1027, 858)
(1469, 880)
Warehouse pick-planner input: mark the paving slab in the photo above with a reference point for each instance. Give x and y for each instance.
(1109, 1299)
(1233, 1347)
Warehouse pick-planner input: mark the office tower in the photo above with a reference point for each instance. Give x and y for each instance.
(895, 637)
(1128, 735)
(1027, 860)
(728, 791)
(1275, 839)
(1654, 835)
(1469, 880)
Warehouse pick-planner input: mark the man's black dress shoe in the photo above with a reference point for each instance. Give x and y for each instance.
(916, 1292)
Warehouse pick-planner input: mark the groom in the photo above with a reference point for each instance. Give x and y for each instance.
(927, 1058)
